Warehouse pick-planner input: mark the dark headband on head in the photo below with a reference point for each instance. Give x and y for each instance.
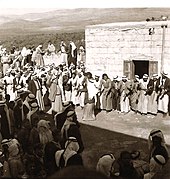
(152, 133)
(158, 161)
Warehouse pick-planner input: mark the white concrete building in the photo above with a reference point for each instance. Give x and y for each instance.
(128, 48)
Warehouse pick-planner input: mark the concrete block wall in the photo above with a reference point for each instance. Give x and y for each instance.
(108, 45)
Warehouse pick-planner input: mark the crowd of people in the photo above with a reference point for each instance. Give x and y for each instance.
(148, 95)
(39, 129)
(129, 165)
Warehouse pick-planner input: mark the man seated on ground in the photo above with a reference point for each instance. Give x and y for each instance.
(157, 145)
(125, 168)
(105, 164)
(69, 156)
(156, 164)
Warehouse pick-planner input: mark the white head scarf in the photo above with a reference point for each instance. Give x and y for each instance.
(105, 164)
(73, 47)
(155, 164)
(44, 131)
(58, 157)
(91, 89)
(158, 133)
(71, 148)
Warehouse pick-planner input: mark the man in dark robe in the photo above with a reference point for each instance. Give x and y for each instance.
(4, 121)
(35, 86)
(23, 135)
(115, 92)
(32, 86)
(71, 129)
(34, 164)
(61, 117)
(41, 115)
(27, 103)
(18, 113)
(16, 82)
(29, 56)
(67, 87)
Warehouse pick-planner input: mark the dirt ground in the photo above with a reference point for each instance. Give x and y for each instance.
(115, 132)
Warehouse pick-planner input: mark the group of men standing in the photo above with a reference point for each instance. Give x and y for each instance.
(26, 70)
(148, 95)
(68, 54)
(29, 90)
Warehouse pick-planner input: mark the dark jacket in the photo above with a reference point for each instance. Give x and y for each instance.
(74, 131)
(18, 117)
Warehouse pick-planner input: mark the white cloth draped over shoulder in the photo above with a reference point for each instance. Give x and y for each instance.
(73, 47)
(51, 48)
(92, 91)
(55, 97)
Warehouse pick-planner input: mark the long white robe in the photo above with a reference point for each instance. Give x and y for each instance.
(5, 61)
(74, 97)
(89, 107)
(23, 81)
(63, 55)
(91, 89)
(81, 94)
(163, 101)
(143, 99)
(9, 87)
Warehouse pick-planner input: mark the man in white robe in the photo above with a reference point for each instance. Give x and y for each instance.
(6, 62)
(163, 86)
(143, 98)
(74, 97)
(63, 53)
(9, 85)
(81, 89)
(97, 89)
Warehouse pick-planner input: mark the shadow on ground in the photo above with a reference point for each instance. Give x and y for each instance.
(98, 141)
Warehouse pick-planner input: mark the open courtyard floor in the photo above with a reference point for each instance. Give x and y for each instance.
(114, 132)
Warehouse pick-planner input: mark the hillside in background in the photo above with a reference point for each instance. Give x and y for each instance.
(21, 27)
(35, 39)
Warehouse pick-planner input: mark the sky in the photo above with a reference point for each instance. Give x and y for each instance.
(19, 7)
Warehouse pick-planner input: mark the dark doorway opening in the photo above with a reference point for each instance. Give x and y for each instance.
(141, 67)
